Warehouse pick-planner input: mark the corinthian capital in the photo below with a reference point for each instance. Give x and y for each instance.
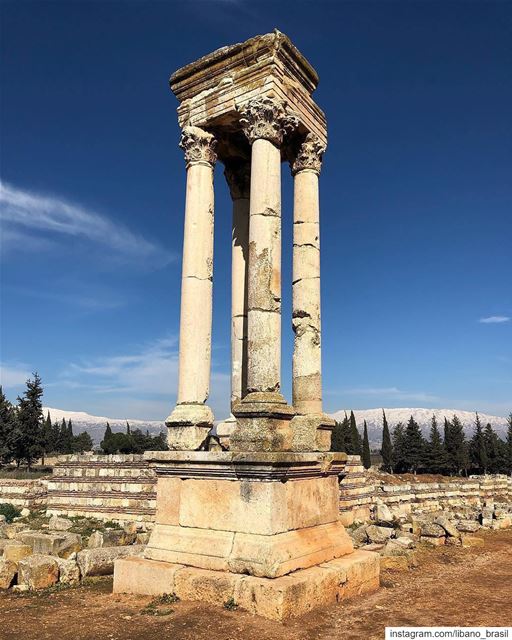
(198, 145)
(267, 119)
(310, 155)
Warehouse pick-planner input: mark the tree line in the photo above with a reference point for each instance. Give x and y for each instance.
(27, 436)
(406, 450)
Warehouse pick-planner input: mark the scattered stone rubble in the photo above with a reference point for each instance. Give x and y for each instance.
(39, 558)
(396, 538)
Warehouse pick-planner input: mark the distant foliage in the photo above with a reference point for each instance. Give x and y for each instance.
(133, 441)
(9, 511)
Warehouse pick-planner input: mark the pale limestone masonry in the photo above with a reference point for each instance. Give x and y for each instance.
(113, 487)
(29, 494)
(250, 513)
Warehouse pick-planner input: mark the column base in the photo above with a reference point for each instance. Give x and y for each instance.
(312, 432)
(224, 431)
(262, 423)
(276, 599)
(188, 427)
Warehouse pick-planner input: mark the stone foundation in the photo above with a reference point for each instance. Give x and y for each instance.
(277, 599)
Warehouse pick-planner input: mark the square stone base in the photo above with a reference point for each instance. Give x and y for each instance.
(275, 598)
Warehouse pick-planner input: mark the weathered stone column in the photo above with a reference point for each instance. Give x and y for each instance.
(311, 428)
(192, 419)
(238, 178)
(263, 415)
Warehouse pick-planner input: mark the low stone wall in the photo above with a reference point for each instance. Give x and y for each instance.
(361, 492)
(114, 487)
(24, 493)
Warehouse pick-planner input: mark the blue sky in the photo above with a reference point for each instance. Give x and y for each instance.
(416, 200)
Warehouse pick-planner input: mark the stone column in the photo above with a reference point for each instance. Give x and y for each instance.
(311, 428)
(238, 178)
(192, 419)
(263, 415)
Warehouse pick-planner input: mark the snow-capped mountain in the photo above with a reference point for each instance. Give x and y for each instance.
(423, 417)
(95, 425)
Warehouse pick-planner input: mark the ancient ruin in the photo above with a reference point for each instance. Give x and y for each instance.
(259, 523)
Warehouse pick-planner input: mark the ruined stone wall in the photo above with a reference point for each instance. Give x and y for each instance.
(113, 487)
(24, 493)
(361, 492)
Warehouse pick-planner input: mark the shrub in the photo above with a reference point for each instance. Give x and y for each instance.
(9, 511)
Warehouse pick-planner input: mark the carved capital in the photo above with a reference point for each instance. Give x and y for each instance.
(198, 145)
(238, 177)
(267, 119)
(310, 155)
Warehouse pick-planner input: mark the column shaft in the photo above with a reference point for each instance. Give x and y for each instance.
(264, 284)
(191, 419)
(307, 359)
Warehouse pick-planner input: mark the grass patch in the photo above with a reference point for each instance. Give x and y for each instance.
(12, 473)
(155, 607)
(9, 511)
(230, 605)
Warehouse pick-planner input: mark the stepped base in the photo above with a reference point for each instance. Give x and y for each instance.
(280, 598)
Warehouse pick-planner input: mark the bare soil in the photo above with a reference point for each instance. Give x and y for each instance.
(450, 586)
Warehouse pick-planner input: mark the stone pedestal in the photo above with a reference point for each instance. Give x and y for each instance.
(261, 528)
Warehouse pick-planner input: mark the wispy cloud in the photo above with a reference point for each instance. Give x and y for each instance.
(25, 215)
(13, 375)
(495, 319)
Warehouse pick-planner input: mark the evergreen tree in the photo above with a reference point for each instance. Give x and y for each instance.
(414, 446)
(367, 460)
(356, 444)
(46, 439)
(26, 437)
(457, 447)
(55, 445)
(6, 428)
(435, 452)
(386, 450)
(399, 461)
(127, 428)
(477, 447)
(82, 442)
(492, 447)
(508, 449)
(65, 438)
(107, 444)
(337, 438)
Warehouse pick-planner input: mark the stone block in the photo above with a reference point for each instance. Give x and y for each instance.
(100, 562)
(205, 586)
(448, 526)
(283, 553)
(69, 572)
(70, 545)
(57, 523)
(472, 541)
(394, 563)
(148, 577)
(202, 548)
(43, 543)
(13, 530)
(434, 542)
(38, 571)
(16, 552)
(468, 526)
(168, 500)
(8, 571)
(379, 535)
(431, 530)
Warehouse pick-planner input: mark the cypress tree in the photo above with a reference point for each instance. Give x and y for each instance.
(414, 446)
(127, 428)
(107, 444)
(356, 444)
(46, 440)
(367, 461)
(399, 460)
(386, 450)
(338, 438)
(492, 448)
(27, 431)
(6, 427)
(477, 447)
(435, 452)
(458, 451)
(508, 454)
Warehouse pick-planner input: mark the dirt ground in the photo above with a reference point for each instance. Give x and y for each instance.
(451, 586)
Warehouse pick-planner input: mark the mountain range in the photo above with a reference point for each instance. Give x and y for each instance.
(95, 425)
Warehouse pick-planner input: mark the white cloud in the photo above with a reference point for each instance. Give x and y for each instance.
(12, 376)
(145, 377)
(25, 214)
(495, 320)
